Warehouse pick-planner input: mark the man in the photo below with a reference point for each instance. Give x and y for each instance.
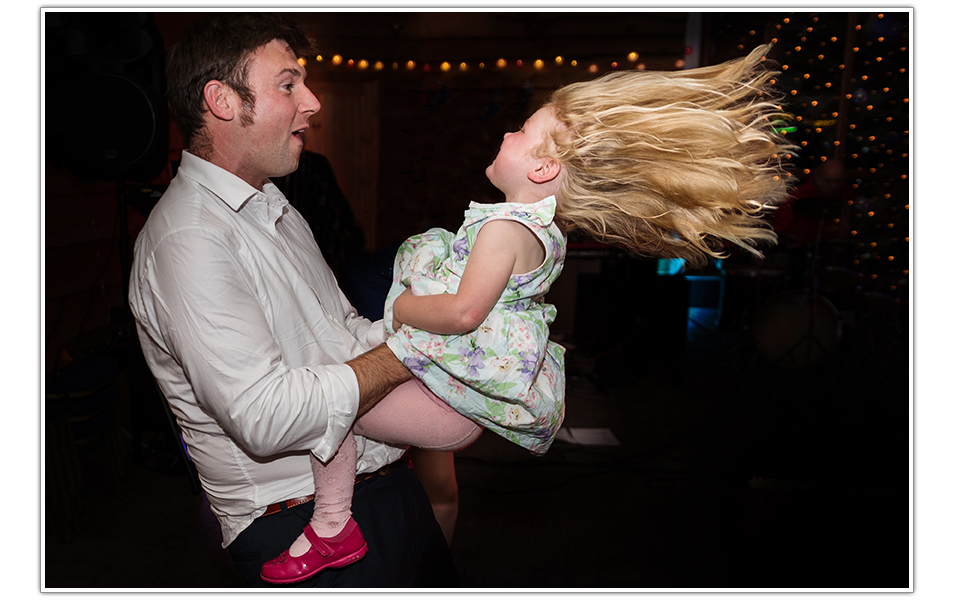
(257, 351)
(814, 222)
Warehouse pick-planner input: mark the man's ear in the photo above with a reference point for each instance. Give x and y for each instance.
(220, 99)
(546, 171)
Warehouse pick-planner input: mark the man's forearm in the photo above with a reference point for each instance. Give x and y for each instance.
(378, 372)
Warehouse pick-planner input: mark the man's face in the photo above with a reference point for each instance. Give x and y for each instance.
(273, 138)
(516, 159)
(830, 178)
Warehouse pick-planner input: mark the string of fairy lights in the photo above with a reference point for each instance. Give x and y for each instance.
(631, 60)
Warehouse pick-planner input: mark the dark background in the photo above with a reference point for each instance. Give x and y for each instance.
(746, 460)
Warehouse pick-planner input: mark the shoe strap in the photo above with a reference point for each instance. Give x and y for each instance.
(319, 544)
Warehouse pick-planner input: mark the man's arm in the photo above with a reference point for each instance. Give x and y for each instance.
(213, 325)
(378, 372)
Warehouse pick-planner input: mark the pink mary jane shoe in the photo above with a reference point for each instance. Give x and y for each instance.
(324, 553)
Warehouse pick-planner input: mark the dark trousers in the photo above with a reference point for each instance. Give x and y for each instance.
(406, 547)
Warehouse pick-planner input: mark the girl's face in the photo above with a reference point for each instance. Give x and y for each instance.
(516, 160)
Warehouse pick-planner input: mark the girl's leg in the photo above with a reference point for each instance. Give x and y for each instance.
(334, 486)
(435, 470)
(409, 415)
(413, 416)
(331, 538)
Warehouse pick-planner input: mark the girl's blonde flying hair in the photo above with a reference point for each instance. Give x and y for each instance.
(672, 164)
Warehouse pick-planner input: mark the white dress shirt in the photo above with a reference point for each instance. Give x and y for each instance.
(245, 329)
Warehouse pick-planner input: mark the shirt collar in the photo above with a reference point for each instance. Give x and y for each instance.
(232, 189)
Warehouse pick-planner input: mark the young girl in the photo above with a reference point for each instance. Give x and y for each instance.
(668, 164)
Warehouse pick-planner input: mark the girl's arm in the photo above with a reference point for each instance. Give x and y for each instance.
(501, 247)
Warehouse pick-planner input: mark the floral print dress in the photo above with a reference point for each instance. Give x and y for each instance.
(506, 375)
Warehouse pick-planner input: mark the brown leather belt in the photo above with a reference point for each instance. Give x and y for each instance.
(278, 507)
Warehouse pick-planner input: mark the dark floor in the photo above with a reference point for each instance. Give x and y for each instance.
(730, 473)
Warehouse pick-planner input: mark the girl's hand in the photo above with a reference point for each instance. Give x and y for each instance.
(395, 322)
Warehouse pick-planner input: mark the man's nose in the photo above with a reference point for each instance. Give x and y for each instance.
(310, 103)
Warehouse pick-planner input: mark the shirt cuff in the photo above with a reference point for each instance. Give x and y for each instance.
(342, 407)
(376, 334)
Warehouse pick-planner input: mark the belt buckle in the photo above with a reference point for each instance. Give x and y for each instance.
(369, 476)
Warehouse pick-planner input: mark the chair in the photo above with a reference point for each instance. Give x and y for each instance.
(80, 408)
(182, 452)
(62, 486)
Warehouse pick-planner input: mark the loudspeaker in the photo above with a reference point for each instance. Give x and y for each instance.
(106, 116)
